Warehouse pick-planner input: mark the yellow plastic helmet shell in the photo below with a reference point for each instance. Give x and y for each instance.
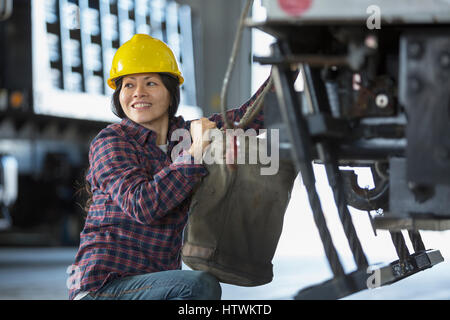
(143, 54)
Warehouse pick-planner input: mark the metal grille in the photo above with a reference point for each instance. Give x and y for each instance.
(83, 35)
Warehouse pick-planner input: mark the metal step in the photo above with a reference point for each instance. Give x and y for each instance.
(375, 276)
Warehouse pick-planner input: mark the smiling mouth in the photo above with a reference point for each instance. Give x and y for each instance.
(141, 105)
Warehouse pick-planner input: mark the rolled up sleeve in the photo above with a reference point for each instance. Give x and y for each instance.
(236, 115)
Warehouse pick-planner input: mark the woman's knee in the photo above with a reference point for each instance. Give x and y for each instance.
(207, 287)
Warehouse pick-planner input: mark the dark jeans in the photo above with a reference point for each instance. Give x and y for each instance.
(164, 285)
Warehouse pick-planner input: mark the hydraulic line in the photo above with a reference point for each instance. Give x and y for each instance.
(236, 45)
(416, 240)
(301, 148)
(337, 186)
(400, 245)
(334, 176)
(325, 236)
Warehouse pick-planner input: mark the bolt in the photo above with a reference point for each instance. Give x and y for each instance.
(415, 50)
(382, 100)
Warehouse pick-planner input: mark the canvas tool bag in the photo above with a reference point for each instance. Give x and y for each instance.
(236, 218)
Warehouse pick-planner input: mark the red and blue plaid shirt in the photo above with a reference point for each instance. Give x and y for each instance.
(140, 203)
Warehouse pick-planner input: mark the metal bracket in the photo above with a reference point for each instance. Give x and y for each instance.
(401, 269)
(393, 224)
(359, 280)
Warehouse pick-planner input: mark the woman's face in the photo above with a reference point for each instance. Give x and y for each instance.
(144, 99)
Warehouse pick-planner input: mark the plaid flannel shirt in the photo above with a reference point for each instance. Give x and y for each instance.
(140, 202)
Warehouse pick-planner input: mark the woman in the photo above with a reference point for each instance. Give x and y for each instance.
(130, 244)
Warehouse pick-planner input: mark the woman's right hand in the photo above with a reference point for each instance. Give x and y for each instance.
(199, 129)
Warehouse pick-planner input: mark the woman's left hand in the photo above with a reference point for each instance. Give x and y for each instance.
(198, 130)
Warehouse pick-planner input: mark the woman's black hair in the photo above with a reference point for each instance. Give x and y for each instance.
(170, 82)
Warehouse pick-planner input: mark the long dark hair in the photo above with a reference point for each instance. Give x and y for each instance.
(172, 85)
(170, 82)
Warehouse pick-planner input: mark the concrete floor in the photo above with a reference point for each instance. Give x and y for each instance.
(40, 273)
(34, 273)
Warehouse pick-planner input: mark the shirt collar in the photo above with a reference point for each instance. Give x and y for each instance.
(137, 132)
(141, 134)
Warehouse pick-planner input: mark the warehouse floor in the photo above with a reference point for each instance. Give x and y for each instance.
(299, 262)
(40, 273)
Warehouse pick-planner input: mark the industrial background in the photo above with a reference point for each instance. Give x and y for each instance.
(54, 59)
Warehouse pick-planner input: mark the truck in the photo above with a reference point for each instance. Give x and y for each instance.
(376, 77)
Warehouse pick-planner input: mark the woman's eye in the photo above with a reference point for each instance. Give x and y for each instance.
(128, 85)
(151, 83)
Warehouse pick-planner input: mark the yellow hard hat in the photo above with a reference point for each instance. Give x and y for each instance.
(142, 54)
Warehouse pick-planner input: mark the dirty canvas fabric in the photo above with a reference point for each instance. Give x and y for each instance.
(235, 221)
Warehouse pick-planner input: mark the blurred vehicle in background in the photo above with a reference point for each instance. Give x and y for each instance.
(54, 59)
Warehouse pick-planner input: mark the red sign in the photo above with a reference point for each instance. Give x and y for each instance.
(295, 7)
